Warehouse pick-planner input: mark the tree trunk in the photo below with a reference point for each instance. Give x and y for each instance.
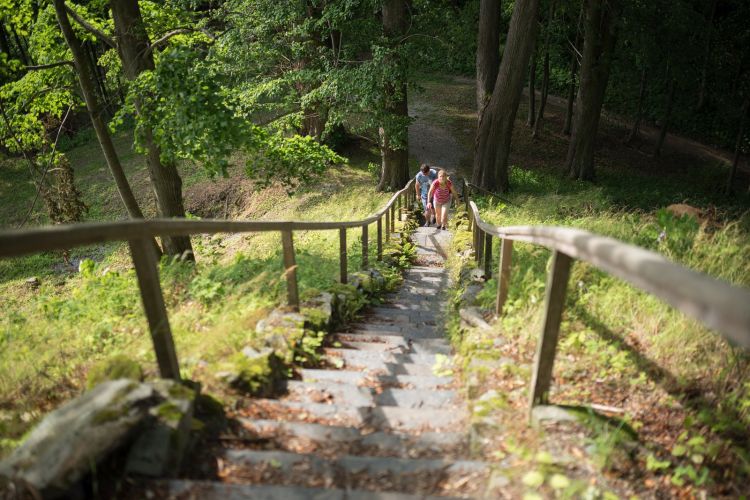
(538, 123)
(314, 122)
(4, 43)
(571, 94)
(21, 50)
(573, 71)
(706, 58)
(92, 105)
(737, 147)
(639, 111)
(532, 88)
(488, 52)
(667, 116)
(132, 46)
(599, 41)
(496, 129)
(394, 143)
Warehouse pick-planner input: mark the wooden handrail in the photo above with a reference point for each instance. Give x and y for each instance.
(715, 303)
(15, 243)
(65, 236)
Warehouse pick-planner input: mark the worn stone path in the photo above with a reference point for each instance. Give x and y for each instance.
(386, 424)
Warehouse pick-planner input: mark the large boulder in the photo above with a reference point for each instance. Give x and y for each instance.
(61, 449)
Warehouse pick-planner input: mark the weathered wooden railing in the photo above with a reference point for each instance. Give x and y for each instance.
(140, 233)
(715, 303)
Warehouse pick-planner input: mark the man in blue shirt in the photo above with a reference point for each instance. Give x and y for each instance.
(424, 179)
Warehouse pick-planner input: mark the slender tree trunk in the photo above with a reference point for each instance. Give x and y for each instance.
(737, 147)
(599, 41)
(532, 88)
(394, 143)
(488, 52)
(132, 45)
(639, 110)
(4, 44)
(21, 50)
(92, 104)
(496, 129)
(706, 59)
(573, 71)
(538, 123)
(667, 117)
(571, 94)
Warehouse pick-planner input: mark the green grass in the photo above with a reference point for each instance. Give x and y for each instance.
(51, 336)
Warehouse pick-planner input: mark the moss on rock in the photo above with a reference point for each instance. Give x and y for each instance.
(116, 367)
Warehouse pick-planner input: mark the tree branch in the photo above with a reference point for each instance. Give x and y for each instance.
(179, 31)
(103, 37)
(47, 66)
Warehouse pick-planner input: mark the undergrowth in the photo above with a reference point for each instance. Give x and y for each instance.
(680, 386)
(52, 333)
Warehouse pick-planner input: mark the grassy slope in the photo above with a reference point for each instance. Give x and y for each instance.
(51, 336)
(674, 379)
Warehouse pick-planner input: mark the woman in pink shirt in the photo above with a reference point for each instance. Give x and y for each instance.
(441, 192)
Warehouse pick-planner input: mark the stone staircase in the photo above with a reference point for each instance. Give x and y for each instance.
(387, 424)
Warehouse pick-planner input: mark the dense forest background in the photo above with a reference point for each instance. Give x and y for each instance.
(285, 83)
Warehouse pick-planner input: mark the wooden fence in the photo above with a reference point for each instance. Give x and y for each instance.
(715, 303)
(140, 234)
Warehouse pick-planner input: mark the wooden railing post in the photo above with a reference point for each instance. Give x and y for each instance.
(365, 247)
(144, 259)
(487, 255)
(387, 224)
(342, 255)
(380, 238)
(480, 246)
(467, 193)
(503, 275)
(290, 269)
(393, 218)
(557, 284)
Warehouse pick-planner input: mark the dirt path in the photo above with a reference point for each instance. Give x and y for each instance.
(444, 124)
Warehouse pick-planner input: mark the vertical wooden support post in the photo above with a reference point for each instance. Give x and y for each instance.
(380, 238)
(467, 193)
(487, 255)
(342, 255)
(393, 218)
(144, 259)
(480, 246)
(557, 284)
(365, 247)
(387, 224)
(290, 269)
(503, 278)
(398, 210)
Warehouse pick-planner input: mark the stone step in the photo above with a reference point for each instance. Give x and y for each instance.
(355, 356)
(329, 392)
(384, 418)
(396, 343)
(409, 331)
(311, 437)
(185, 489)
(399, 314)
(347, 394)
(410, 398)
(372, 364)
(374, 380)
(403, 475)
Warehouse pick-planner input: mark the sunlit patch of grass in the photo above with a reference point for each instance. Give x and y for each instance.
(51, 335)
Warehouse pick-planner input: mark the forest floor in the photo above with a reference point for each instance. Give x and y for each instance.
(670, 390)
